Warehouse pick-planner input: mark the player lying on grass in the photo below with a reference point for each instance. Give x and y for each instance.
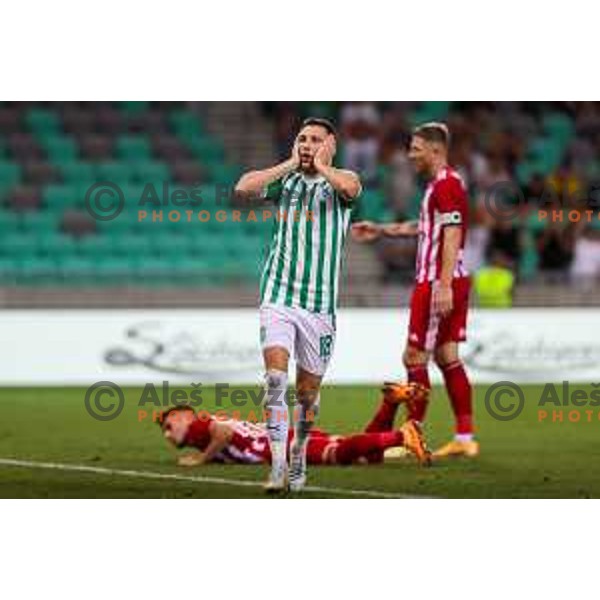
(231, 441)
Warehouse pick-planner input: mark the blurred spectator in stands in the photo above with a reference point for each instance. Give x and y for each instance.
(477, 241)
(395, 132)
(491, 173)
(506, 237)
(566, 184)
(585, 267)
(494, 283)
(286, 127)
(77, 223)
(555, 247)
(587, 119)
(402, 185)
(536, 190)
(398, 258)
(360, 123)
(464, 158)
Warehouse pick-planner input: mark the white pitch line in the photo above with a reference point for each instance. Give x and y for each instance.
(28, 464)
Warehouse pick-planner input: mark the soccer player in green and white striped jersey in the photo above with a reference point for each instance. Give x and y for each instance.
(299, 284)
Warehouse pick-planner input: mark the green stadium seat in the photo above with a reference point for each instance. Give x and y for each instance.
(116, 172)
(546, 153)
(558, 126)
(131, 106)
(10, 174)
(139, 246)
(155, 270)
(321, 108)
(54, 245)
(185, 123)
(206, 149)
(77, 172)
(529, 259)
(42, 121)
(533, 222)
(152, 171)
(195, 272)
(207, 246)
(60, 149)
(59, 196)
(95, 246)
(37, 271)
(113, 270)
(8, 269)
(595, 222)
(75, 270)
(133, 148)
(9, 221)
(525, 170)
(38, 222)
(224, 173)
(171, 245)
(373, 206)
(18, 245)
(124, 224)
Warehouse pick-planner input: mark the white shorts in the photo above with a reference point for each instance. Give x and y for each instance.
(308, 337)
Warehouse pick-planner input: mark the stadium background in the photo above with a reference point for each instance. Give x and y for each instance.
(55, 257)
(53, 253)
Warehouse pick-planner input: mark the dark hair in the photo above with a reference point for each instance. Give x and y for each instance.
(433, 132)
(325, 123)
(173, 409)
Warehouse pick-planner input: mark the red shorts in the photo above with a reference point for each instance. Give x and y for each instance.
(427, 331)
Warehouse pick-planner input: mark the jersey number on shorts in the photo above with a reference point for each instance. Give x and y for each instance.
(325, 343)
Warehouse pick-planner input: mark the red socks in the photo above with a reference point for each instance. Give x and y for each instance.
(459, 391)
(366, 445)
(418, 374)
(384, 418)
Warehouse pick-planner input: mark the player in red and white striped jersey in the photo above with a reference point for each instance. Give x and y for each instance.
(439, 304)
(241, 442)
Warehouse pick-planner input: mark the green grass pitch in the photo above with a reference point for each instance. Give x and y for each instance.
(523, 458)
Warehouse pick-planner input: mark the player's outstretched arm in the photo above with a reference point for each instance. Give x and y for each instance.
(404, 229)
(346, 183)
(254, 183)
(367, 231)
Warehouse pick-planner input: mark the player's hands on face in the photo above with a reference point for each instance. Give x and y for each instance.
(295, 157)
(442, 300)
(365, 231)
(324, 155)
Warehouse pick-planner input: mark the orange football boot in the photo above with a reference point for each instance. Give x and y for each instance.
(456, 448)
(414, 441)
(404, 393)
